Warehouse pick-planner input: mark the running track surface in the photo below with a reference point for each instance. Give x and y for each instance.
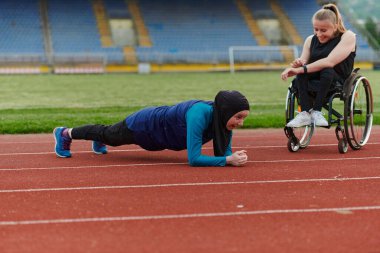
(130, 200)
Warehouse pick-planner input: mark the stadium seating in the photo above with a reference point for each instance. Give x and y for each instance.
(117, 9)
(197, 31)
(74, 30)
(300, 13)
(260, 9)
(20, 29)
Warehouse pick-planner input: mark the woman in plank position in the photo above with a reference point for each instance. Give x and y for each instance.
(187, 125)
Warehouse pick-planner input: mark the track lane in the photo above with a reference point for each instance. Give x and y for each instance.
(188, 199)
(32, 143)
(311, 232)
(84, 176)
(355, 231)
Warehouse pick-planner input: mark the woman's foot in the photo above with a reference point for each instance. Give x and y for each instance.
(302, 119)
(318, 119)
(99, 148)
(62, 142)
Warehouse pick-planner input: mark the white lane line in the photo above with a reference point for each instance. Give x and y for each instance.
(39, 142)
(75, 152)
(188, 216)
(335, 179)
(205, 148)
(318, 159)
(95, 166)
(184, 163)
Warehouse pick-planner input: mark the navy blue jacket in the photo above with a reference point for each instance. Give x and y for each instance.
(166, 127)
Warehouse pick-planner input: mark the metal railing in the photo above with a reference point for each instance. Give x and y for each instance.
(260, 55)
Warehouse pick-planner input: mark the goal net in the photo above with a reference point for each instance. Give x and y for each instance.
(79, 63)
(260, 57)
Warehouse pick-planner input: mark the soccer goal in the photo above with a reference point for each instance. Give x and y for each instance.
(79, 63)
(254, 57)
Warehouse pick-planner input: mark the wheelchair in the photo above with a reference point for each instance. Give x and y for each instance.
(353, 123)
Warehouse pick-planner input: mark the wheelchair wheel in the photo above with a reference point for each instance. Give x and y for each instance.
(303, 134)
(358, 109)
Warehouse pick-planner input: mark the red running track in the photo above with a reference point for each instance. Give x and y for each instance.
(131, 200)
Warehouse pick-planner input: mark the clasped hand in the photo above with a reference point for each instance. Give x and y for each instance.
(238, 158)
(297, 63)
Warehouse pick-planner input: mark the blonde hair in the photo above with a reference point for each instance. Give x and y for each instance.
(331, 12)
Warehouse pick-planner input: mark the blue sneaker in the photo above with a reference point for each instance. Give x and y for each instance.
(62, 143)
(99, 148)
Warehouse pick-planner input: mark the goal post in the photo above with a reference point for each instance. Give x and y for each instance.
(268, 55)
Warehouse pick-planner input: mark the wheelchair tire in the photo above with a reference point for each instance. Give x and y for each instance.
(342, 146)
(358, 112)
(303, 134)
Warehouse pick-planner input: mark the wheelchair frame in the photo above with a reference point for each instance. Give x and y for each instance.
(348, 133)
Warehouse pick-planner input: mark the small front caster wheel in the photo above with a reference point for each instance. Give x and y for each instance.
(342, 146)
(293, 144)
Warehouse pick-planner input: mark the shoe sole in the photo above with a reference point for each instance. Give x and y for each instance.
(303, 125)
(98, 153)
(321, 125)
(55, 147)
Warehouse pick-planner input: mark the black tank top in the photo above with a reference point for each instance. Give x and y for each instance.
(322, 50)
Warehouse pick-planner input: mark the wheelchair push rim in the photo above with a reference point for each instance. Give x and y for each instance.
(358, 111)
(302, 134)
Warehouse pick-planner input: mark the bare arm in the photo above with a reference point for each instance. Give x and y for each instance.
(305, 55)
(337, 55)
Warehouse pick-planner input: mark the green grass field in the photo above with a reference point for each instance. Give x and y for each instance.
(38, 103)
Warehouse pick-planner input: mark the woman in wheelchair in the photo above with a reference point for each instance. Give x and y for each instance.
(327, 56)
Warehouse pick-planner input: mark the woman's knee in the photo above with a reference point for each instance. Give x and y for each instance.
(118, 134)
(112, 137)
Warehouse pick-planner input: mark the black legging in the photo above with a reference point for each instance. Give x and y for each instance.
(113, 135)
(326, 77)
